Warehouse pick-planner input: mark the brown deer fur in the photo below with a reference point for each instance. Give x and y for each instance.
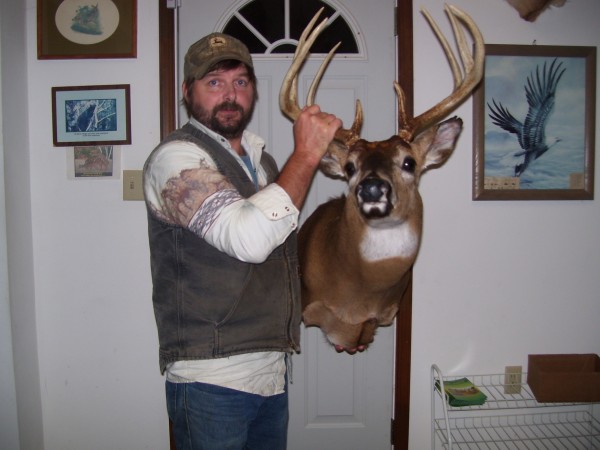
(344, 292)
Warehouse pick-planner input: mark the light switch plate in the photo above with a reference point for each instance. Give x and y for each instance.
(132, 185)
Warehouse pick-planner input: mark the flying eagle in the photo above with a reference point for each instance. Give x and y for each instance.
(540, 92)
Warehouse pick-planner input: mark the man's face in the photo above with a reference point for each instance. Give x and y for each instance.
(223, 101)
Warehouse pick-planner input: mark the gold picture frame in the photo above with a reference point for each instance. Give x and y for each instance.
(86, 29)
(534, 123)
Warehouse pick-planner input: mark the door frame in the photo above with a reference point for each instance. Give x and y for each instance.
(404, 40)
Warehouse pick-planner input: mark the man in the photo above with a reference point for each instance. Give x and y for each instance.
(224, 265)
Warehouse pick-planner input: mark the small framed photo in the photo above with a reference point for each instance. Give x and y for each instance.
(79, 29)
(534, 122)
(94, 162)
(91, 115)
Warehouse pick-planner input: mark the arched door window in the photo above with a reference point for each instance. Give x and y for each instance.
(273, 27)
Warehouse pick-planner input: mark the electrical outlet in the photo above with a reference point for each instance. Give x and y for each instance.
(513, 378)
(132, 185)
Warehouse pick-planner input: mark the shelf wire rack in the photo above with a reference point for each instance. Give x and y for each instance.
(568, 426)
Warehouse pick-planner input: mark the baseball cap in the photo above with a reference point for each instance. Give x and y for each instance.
(211, 49)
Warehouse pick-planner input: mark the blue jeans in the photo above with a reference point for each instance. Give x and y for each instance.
(208, 417)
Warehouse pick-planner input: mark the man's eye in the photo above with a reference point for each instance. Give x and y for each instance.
(242, 83)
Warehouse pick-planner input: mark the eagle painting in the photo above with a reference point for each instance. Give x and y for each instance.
(540, 92)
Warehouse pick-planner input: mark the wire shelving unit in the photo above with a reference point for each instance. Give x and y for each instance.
(510, 421)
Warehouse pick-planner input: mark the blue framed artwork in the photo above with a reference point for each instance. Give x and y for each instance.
(534, 124)
(91, 115)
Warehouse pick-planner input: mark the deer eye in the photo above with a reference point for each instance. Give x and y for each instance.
(409, 164)
(350, 169)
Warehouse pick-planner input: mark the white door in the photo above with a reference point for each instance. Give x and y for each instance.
(337, 401)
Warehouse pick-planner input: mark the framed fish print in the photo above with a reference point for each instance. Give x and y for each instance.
(534, 123)
(79, 29)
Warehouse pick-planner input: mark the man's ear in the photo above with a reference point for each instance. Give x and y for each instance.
(184, 89)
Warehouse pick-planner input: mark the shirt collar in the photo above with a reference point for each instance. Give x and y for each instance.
(252, 143)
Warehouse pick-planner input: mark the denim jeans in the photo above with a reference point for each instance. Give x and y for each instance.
(208, 417)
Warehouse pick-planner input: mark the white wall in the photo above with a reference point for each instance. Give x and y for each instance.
(8, 396)
(98, 382)
(496, 281)
(15, 139)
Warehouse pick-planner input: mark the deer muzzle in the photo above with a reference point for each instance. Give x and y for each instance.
(373, 195)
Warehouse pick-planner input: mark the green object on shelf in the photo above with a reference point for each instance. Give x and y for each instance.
(462, 392)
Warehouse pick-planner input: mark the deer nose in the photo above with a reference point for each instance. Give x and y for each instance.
(373, 189)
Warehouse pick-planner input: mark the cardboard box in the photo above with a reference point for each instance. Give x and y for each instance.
(564, 378)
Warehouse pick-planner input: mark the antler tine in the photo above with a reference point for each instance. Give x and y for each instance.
(402, 114)
(346, 136)
(456, 72)
(463, 85)
(288, 95)
(312, 91)
(465, 55)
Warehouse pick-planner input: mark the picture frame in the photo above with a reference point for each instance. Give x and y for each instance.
(91, 115)
(96, 162)
(534, 123)
(86, 29)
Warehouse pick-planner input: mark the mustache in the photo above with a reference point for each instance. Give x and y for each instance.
(228, 106)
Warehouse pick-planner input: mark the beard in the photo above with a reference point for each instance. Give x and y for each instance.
(228, 119)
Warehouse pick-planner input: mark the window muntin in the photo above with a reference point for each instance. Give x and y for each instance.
(273, 27)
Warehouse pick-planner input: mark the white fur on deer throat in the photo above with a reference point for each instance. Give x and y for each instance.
(393, 242)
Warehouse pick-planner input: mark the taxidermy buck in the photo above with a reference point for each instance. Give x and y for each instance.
(356, 251)
(531, 9)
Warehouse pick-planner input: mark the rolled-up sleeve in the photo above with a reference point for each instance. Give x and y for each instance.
(250, 229)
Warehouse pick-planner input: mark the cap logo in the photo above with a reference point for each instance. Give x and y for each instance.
(217, 41)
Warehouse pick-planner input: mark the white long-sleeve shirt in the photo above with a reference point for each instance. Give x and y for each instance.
(246, 229)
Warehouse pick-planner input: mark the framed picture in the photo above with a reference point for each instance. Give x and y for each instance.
(534, 123)
(94, 162)
(91, 115)
(76, 29)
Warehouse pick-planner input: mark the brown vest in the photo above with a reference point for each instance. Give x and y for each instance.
(210, 305)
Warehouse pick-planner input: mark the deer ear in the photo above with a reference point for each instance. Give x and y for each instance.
(439, 142)
(333, 161)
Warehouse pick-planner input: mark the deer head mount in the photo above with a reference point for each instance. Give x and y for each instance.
(529, 10)
(356, 251)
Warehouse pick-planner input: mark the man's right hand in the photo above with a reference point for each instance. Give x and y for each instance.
(313, 132)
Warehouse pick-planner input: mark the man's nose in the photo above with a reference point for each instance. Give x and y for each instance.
(230, 92)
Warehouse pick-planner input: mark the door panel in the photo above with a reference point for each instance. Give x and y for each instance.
(337, 401)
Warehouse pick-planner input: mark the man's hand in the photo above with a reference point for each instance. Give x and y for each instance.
(313, 132)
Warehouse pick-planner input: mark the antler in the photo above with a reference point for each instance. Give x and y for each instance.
(463, 86)
(288, 95)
